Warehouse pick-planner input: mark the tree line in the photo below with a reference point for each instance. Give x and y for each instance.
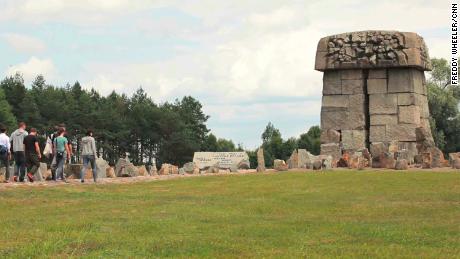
(444, 102)
(169, 132)
(172, 131)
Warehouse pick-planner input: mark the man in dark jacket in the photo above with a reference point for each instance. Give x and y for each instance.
(33, 154)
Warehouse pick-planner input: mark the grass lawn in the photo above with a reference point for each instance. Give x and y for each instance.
(333, 214)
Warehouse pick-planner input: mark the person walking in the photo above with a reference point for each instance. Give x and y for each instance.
(61, 152)
(33, 154)
(5, 153)
(53, 164)
(17, 138)
(89, 155)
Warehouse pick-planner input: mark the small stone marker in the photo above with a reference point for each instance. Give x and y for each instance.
(456, 163)
(101, 166)
(143, 171)
(167, 169)
(41, 172)
(426, 160)
(124, 168)
(191, 168)
(401, 164)
(280, 165)
(260, 160)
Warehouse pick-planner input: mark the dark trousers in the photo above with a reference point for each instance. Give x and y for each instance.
(89, 160)
(5, 160)
(20, 164)
(53, 167)
(60, 162)
(32, 162)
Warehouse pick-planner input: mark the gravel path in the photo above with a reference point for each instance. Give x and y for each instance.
(117, 180)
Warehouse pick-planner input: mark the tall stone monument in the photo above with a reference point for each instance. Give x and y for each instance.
(374, 90)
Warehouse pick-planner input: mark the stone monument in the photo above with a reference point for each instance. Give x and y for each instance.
(374, 90)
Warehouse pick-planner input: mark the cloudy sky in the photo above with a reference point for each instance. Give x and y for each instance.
(248, 61)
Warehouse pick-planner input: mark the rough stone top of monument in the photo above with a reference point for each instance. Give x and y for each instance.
(372, 49)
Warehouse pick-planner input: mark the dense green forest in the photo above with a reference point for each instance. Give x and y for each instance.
(168, 132)
(172, 132)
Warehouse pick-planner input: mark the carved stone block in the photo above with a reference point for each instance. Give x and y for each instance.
(383, 104)
(401, 132)
(353, 139)
(409, 114)
(377, 133)
(406, 99)
(331, 149)
(335, 101)
(352, 74)
(352, 86)
(332, 84)
(377, 86)
(378, 74)
(330, 136)
(383, 119)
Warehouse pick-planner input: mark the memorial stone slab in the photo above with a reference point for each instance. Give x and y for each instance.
(224, 159)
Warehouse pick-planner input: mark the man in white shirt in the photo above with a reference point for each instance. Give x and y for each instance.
(5, 153)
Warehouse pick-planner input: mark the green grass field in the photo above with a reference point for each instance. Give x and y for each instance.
(333, 214)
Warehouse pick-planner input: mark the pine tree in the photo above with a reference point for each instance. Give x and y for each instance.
(6, 115)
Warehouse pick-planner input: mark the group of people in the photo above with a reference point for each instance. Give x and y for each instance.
(23, 147)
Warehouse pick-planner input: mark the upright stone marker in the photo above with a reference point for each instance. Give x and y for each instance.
(374, 89)
(260, 160)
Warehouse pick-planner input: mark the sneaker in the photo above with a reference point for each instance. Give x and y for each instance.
(30, 176)
(82, 181)
(15, 178)
(6, 181)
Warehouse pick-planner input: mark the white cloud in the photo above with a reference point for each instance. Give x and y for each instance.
(252, 62)
(78, 12)
(24, 43)
(247, 51)
(103, 85)
(33, 67)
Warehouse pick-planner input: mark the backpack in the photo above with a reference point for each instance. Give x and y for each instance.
(3, 150)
